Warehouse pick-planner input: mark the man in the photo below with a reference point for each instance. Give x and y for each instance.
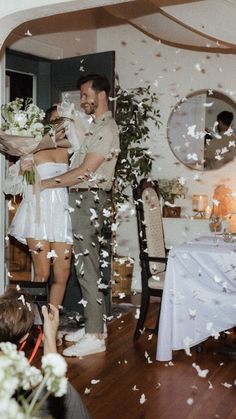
(219, 147)
(89, 198)
(223, 126)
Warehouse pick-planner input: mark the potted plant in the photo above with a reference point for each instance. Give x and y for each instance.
(135, 108)
(170, 190)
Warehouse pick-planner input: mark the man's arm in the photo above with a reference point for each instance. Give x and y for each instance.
(90, 164)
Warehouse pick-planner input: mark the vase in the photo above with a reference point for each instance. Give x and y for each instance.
(173, 212)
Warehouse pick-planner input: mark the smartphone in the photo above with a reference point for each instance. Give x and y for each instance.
(38, 315)
(39, 292)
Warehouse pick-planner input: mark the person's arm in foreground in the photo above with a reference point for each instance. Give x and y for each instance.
(50, 327)
(90, 164)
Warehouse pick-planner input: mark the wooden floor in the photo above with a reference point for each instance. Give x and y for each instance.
(171, 390)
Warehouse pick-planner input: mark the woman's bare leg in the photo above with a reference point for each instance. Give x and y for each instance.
(61, 271)
(39, 251)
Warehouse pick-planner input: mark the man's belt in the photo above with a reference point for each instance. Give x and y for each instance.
(86, 190)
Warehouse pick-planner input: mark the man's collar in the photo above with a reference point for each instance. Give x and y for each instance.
(102, 117)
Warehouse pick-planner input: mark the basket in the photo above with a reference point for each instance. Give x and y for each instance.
(122, 276)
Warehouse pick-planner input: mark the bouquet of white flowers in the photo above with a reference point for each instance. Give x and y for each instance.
(24, 119)
(23, 388)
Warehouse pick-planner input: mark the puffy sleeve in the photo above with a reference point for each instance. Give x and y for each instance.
(14, 182)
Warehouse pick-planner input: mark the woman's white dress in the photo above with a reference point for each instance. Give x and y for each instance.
(55, 222)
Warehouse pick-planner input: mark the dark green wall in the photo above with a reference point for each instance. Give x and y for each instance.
(40, 67)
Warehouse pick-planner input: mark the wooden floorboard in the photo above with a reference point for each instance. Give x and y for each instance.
(168, 388)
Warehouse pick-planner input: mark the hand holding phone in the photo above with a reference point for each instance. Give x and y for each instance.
(50, 327)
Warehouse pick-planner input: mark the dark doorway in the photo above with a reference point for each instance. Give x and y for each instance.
(21, 85)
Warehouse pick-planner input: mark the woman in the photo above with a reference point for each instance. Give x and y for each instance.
(50, 238)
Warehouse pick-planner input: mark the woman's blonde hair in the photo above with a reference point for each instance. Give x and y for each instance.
(16, 315)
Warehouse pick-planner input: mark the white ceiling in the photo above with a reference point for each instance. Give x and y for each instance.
(207, 25)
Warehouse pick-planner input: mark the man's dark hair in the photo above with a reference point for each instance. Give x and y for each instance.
(99, 83)
(226, 117)
(48, 113)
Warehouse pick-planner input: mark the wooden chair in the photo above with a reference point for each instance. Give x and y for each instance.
(153, 258)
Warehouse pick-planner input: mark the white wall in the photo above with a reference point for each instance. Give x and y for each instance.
(172, 74)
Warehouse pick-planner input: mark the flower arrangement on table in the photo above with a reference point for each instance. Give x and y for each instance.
(170, 189)
(24, 119)
(24, 388)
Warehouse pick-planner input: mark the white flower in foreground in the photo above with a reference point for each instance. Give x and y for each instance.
(32, 378)
(55, 364)
(55, 367)
(10, 409)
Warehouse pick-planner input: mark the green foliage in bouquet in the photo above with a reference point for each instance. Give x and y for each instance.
(170, 189)
(135, 108)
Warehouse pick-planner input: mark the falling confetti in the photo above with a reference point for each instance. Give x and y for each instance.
(142, 399)
(83, 302)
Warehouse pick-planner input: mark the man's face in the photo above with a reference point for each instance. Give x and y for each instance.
(88, 98)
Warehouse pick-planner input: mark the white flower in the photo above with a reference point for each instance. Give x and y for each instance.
(23, 122)
(20, 119)
(32, 378)
(54, 363)
(16, 374)
(10, 409)
(57, 386)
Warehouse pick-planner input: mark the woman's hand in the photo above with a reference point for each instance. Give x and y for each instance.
(50, 327)
(26, 163)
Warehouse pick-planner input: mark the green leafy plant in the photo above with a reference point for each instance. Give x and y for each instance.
(135, 108)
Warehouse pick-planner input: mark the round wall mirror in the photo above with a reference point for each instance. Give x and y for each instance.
(193, 130)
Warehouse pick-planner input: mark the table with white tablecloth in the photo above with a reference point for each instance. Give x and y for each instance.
(199, 296)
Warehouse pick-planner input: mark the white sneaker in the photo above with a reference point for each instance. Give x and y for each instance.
(87, 345)
(75, 336)
(78, 334)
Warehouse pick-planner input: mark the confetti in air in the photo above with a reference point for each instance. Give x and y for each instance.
(28, 33)
(83, 302)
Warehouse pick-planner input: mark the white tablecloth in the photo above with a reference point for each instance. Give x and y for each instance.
(199, 297)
